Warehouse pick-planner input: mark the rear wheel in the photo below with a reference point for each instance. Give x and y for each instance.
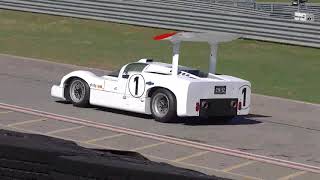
(78, 92)
(163, 106)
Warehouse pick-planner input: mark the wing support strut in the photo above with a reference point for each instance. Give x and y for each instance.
(213, 57)
(175, 57)
(213, 38)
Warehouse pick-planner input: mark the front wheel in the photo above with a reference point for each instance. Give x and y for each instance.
(79, 92)
(163, 106)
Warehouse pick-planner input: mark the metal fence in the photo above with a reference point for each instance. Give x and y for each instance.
(223, 6)
(282, 10)
(277, 10)
(163, 15)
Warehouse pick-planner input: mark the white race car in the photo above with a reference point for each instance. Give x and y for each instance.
(163, 90)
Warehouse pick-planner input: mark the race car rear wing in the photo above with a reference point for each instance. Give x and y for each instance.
(213, 38)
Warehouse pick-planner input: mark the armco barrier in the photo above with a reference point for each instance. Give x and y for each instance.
(275, 9)
(181, 17)
(283, 10)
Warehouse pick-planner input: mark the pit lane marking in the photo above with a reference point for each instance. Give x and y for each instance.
(177, 141)
(5, 112)
(151, 156)
(56, 136)
(238, 166)
(147, 155)
(64, 130)
(191, 156)
(203, 167)
(91, 141)
(293, 175)
(27, 122)
(148, 146)
(24, 130)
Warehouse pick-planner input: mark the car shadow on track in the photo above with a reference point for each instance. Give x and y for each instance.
(189, 121)
(194, 121)
(116, 111)
(126, 113)
(240, 120)
(63, 102)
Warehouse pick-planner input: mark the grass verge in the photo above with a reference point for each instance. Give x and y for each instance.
(273, 69)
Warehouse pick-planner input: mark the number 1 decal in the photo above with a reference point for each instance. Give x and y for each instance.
(244, 92)
(136, 85)
(244, 96)
(136, 80)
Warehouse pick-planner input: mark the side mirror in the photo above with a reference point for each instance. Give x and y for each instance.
(125, 76)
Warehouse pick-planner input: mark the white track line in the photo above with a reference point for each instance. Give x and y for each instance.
(287, 100)
(168, 139)
(50, 62)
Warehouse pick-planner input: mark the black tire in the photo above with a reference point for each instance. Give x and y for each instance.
(78, 92)
(66, 93)
(163, 106)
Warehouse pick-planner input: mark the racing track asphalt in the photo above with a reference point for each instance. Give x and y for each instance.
(279, 128)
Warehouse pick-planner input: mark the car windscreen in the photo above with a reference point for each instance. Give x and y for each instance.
(115, 73)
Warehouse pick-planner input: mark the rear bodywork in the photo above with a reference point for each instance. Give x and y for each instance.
(222, 96)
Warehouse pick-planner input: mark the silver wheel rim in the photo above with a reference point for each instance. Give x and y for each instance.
(77, 91)
(161, 105)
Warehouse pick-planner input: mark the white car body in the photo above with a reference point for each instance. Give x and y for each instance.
(131, 89)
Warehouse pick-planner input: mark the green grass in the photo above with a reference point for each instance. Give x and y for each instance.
(273, 69)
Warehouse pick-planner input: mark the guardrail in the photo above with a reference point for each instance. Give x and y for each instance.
(177, 17)
(206, 5)
(283, 10)
(277, 10)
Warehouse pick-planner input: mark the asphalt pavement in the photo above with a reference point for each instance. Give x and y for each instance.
(276, 127)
